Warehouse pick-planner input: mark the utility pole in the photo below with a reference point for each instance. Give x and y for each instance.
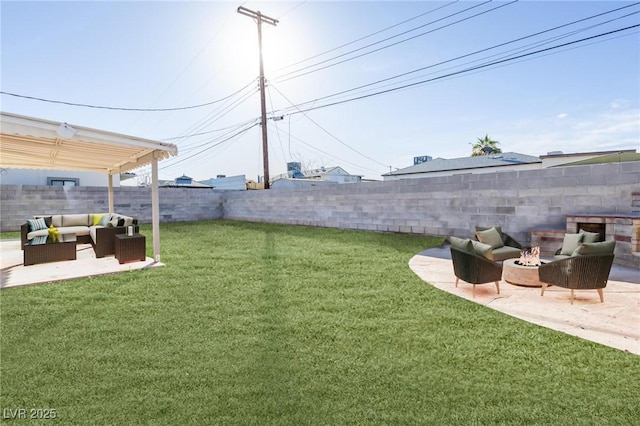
(263, 106)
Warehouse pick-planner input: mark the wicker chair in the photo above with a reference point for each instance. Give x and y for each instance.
(475, 269)
(588, 272)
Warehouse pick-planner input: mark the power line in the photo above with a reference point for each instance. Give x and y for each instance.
(329, 133)
(369, 35)
(281, 79)
(122, 108)
(459, 72)
(484, 50)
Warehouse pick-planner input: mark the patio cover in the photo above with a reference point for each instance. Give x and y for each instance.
(33, 143)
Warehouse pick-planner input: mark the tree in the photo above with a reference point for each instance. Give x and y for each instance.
(485, 146)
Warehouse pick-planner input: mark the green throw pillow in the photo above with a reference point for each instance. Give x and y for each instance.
(570, 243)
(589, 237)
(461, 244)
(604, 247)
(491, 236)
(482, 249)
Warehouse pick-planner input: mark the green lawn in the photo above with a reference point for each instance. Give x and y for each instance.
(268, 324)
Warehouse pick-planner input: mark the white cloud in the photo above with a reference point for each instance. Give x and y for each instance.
(608, 130)
(563, 115)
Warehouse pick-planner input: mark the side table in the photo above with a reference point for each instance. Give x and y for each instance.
(130, 247)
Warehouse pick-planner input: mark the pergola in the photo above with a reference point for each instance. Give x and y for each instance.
(33, 143)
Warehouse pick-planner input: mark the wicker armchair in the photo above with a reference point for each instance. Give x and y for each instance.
(475, 269)
(578, 273)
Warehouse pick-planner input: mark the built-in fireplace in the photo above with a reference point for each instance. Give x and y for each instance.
(600, 228)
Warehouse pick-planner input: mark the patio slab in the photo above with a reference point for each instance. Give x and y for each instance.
(614, 323)
(14, 274)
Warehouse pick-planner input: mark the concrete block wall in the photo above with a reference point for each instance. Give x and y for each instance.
(20, 202)
(451, 205)
(519, 201)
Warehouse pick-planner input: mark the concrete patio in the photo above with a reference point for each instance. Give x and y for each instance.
(14, 274)
(614, 323)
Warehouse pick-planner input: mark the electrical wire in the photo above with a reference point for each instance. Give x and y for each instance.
(481, 51)
(329, 133)
(461, 71)
(281, 78)
(122, 108)
(367, 36)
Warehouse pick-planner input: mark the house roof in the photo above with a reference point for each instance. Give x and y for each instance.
(481, 161)
(33, 143)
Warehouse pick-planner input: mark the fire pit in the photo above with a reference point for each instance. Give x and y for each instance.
(523, 271)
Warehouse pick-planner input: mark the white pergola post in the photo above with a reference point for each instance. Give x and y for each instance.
(155, 209)
(110, 193)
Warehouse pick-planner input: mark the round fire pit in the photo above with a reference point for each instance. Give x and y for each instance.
(513, 273)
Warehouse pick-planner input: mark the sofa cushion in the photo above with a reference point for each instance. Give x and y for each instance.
(490, 236)
(56, 220)
(589, 237)
(481, 249)
(570, 243)
(461, 244)
(75, 220)
(603, 247)
(76, 230)
(37, 224)
(39, 233)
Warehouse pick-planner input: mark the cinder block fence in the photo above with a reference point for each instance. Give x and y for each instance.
(518, 201)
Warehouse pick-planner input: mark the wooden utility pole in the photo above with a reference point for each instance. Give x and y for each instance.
(263, 106)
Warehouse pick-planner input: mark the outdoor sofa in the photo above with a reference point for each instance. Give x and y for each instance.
(99, 229)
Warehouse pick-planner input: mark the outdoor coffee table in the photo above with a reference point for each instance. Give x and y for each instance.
(49, 251)
(514, 273)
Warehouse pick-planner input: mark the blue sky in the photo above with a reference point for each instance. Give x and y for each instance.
(154, 55)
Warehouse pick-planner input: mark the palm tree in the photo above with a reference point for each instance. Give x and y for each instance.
(485, 146)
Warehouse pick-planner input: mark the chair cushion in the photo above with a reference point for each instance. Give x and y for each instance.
(505, 252)
(490, 236)
(604, 247)
(481, 249)
(461, 244)
(570, 243)
(589, 237)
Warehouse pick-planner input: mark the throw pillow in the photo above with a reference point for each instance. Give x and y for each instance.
(461, 244)
(490, 237)
(603, 247)
(47, 220)
(589, 237)
(570, 243)
(36, 224)
(104, 220)
(482, 249)
(120, 222)
(96, 218)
